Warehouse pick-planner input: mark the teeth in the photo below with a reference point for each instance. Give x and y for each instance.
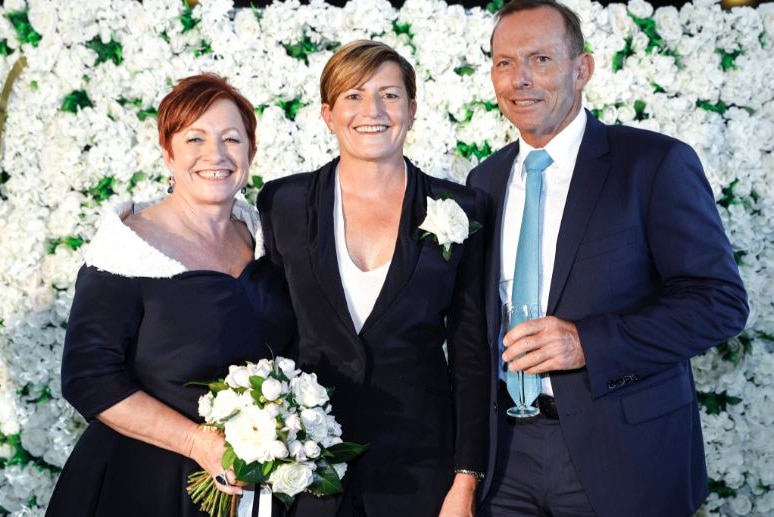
(214, 174)
(371, 129)
(524, 103)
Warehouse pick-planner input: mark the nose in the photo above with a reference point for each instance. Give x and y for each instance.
(373, 105)
(522, 76)
(215, 149)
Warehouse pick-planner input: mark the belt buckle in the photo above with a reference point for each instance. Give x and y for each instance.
(547, 406)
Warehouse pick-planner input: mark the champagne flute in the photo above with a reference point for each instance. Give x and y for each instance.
(523, 388)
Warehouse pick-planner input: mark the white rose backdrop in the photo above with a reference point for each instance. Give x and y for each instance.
(80, 133)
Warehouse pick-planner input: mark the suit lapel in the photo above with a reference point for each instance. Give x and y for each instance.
(322, 243)
(591, 170)
(407, 247)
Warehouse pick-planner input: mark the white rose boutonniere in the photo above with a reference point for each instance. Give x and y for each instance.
(448, 223)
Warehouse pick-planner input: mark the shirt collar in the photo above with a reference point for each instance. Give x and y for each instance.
(563, 148)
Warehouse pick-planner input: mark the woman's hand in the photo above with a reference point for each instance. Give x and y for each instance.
(145, 418)
(461, 497)
(207, 446)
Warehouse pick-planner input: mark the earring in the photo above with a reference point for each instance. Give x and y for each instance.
(171, 185)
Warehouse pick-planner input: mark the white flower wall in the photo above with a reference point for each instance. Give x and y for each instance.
(80, 134)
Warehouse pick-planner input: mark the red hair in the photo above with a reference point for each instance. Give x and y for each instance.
(194, 95)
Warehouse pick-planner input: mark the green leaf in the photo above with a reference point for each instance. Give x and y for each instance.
(474, 227)
(344, 452)
(447, 252)
(145, 113)
(639, 110)
(468, 150)
(290, 108)
(402, 28)
(257, 182)
(648, 27)
(103, 190)
(304, 48)
(715, 403)
(203, 49)
(495, 5)
(75, 100)
(251, 472)
(5, 50)
(187, 19)
(720, 488)
(727, 197)
(719, 107)
(738, 256)
(465, 70)
(326, 481)
(619, 58)
(735, 350)
(445, 195)
(71, 241)
(229, 458)
(727, 59)
(110, 51)
(24, 31)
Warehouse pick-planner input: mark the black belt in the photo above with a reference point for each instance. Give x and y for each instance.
(545, 403)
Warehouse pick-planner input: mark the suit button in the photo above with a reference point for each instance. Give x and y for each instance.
(617, 383)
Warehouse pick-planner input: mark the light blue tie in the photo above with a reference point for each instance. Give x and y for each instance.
(526, 274)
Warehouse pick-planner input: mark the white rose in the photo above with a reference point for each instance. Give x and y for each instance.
(315, 424)
(446, 220)
(296, 449)
(334, 428)
(42, 17)
(288, 367)
(205, 406)
(278, 449)
(262, 368)
(291, 478)
(226, 403)
(271, 389)
(311, 449)
(668, 23)
(308, 391)
(238, 377)
(340, 468)
(252, 434)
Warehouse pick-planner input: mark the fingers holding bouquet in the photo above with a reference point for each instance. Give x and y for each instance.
(207, 449)
(272, 427)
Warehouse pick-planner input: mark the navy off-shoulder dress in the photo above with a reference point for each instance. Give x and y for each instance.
(141, 321)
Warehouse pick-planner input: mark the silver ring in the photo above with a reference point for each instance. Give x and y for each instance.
(222, 478)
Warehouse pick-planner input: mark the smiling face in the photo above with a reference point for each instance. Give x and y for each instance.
(210, 158)
(538, 82)
(370, 120)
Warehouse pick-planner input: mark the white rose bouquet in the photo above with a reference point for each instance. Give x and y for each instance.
(448, 223)
(279, 432)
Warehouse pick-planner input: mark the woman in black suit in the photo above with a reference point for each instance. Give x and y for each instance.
(376, 301)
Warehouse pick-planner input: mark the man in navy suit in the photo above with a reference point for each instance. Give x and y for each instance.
(636, 277)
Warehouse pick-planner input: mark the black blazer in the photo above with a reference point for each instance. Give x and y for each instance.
(645, 271)
(423, 417)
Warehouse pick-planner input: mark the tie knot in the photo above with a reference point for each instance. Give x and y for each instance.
(537, 161)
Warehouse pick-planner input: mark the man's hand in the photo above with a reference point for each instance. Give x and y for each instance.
(549, 344)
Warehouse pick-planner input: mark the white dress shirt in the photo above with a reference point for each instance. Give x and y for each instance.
(563, 149)
(361, 288)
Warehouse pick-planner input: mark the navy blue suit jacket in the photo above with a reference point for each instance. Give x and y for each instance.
(645, 271)
(422, 415)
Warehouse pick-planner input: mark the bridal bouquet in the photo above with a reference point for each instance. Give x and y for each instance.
(279, 432)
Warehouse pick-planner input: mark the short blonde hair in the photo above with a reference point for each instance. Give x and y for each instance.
(352, 65)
